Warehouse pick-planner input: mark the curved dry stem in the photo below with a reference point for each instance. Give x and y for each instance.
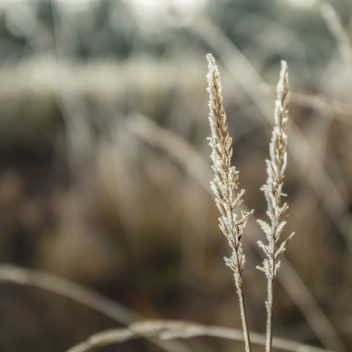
(80, 294)
(170, 329)
(66, 288)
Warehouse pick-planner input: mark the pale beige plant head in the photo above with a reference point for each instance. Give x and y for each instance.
(225, 187)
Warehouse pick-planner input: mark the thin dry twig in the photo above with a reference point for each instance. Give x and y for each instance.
(170, 329)
(225, 187)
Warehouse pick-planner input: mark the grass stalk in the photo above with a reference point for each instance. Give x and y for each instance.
(225, 187)
(275, 168)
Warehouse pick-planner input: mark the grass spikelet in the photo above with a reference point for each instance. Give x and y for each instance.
(225, 187)
(275, 168)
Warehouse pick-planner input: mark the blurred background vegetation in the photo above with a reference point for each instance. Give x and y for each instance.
(104, 163)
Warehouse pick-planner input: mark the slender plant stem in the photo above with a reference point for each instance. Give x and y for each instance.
(272, 189)
(270, 287)
(269, 316)
(244, 319)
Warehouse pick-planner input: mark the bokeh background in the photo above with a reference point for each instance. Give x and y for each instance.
(104, 164)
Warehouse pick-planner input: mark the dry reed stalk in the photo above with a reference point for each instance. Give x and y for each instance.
(225, 187)
(275, 168)
(173, 329)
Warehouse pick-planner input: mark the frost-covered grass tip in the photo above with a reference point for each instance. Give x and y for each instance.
(275, 169)
(225, 187)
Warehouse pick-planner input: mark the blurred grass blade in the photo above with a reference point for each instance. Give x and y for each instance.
(170, 329)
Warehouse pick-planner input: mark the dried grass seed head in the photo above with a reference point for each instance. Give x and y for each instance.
(225, 183)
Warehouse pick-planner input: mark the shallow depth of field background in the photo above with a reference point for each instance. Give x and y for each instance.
(104, 164)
